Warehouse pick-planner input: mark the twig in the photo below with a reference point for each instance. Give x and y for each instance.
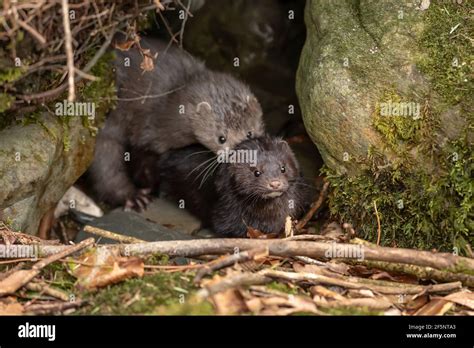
(361, 283)
(32, 31)
(278, 247)
(53, 93)
(111, 235)
(48, 308)
(47, 290)
(69, 52)
(230, 260)
(86, 75)
(22, 277)
(181, 33)
(244, 279)
(373, 303)
(379, 229)
(419, 272)
(302, 223)
(307, 237)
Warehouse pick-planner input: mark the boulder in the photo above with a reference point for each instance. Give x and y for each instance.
(385, 89)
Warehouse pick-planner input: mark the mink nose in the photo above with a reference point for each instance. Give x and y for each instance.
(276, 184)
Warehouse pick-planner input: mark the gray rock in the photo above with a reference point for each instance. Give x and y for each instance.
(38, 163)
(168, 214)
(134, 225)
(356, 52)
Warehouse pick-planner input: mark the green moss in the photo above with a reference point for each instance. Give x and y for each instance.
(102, 92)
(351, 311)
(447, 46)
(35, 118)
(282, 287)
(8, 75)
(6, 102)
(159, 293)
(417, 208)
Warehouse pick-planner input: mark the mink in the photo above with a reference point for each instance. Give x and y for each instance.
(177, 104)
(239, 195)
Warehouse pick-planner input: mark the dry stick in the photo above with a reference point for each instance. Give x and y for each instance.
(373, 303)
(307, 237)
(50, 94)
(48, 308)
(32, 31)
(69, 54)
(278, 247)
(361, 283)
(111, 235)
(379, 229)
(47, 290)
(230, 260)
(181, 33)
(302, 223)
(22, 277)
(419, 272)
(244, 279)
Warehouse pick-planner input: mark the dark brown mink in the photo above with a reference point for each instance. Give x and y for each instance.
(179, 103)
(239, 195)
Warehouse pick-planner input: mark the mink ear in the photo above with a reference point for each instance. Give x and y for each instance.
(203, 107)
(284, 145)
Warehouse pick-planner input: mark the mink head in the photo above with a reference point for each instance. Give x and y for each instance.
(225, 112)
(272, 173)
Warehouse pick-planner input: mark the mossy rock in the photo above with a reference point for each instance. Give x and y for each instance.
(42, 154)
(386, 94)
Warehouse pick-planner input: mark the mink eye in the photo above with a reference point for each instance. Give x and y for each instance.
(257, 173)
(283, 169)
(249, 135)
(222, 139)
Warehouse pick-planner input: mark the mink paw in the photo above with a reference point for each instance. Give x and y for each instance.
(139, 201)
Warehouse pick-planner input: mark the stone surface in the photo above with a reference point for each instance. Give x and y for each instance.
(166, 213)
(38, 163)
(134, 225)
(355, 54)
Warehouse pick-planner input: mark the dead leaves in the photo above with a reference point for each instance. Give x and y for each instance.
(253, 233)
(147, 63)
(320, 289)
(10, 306)
(101, 267)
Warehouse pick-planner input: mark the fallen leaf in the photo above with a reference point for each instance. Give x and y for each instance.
(147, 63)
(159, 5)
(125, 46)
(101, 267)
(325, 292)
(253, 233)
(10, 306)
(255, 305)
(435, 307)
(463, 298)
(16, 280)
(425, 4)
(229, 302)
(288, 227)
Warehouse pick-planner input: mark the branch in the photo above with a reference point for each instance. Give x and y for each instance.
(20, 278)
(278, 247)
(111, 235)
(69, 52)
(314, 208)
